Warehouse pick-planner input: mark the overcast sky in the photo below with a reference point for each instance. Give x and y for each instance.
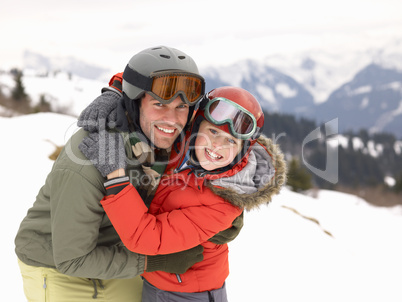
(211, 31)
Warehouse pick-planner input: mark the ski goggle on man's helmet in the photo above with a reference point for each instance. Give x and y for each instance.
(165, 73)
(236, 108)
(165, 86)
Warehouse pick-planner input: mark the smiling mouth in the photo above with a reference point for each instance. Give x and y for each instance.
(213, 155)
(165, 130)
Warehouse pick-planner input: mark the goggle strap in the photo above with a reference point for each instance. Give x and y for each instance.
(132, 76)
(203, 103)
(257, 133)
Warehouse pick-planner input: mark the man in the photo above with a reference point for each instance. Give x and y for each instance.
(67, 248)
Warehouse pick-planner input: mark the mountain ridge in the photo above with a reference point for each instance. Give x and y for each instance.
(312, 84)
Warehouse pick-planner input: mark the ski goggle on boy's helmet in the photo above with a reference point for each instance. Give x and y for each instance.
(236, 108)
(164, 73)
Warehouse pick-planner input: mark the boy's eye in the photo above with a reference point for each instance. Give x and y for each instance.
(158, 104)
(213, 131)
(231, 141)
(182, 106)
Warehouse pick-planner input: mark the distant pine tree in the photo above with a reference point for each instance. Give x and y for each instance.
(43, 106)
(18, 93)
(299, 179)
(398, 184)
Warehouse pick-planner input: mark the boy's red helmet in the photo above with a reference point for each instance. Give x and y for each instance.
(243, 100)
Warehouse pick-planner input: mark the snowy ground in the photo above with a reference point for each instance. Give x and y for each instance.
(65, 94)
(350, 252)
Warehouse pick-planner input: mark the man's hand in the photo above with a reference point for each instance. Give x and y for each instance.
(100, 113)
(230, 233)
(105, 150)
(177, 263)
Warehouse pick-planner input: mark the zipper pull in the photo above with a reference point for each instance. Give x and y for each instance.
(44, 283)
(178, 278)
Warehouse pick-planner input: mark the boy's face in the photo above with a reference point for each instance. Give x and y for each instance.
(214, 147)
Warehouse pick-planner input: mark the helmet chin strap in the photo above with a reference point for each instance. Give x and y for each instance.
(128, 120)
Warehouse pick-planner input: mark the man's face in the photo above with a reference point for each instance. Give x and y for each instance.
(162, 123)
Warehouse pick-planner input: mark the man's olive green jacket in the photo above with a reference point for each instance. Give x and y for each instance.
(67, 228)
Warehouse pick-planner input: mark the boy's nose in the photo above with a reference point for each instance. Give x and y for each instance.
(218, 142)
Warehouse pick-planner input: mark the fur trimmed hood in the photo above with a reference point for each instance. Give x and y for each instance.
(261, 178)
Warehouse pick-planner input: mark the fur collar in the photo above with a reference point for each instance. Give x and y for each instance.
(267, 154)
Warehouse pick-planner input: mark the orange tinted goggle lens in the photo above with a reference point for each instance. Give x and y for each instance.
(167, 86)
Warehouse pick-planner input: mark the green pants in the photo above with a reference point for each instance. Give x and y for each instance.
(49, 285)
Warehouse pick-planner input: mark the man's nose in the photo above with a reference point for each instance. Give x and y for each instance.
(171, 114)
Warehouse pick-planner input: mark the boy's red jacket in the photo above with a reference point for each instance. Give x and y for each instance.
(185, 212)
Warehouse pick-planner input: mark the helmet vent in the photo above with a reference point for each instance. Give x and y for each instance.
(181, 57)
(165, 56)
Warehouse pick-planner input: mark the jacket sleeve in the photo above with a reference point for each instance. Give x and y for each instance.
(168, 232)
(77, 220)
(84, 242)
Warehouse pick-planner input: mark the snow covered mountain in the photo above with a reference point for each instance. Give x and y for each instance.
(371, 100)
(44, 65)
(276, 90)
(363, 89)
